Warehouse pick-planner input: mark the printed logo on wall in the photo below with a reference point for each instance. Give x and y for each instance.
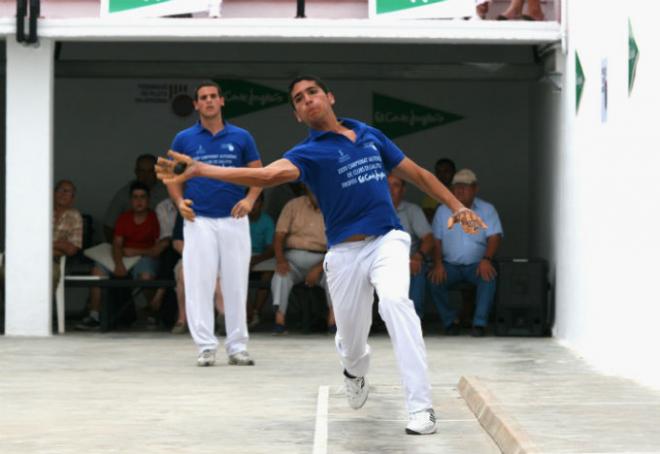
(633, 56)
(419, 9)
(151, 8)
(242, 97)
(396, 117)
(579, 81)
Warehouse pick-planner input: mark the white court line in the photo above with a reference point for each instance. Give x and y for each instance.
(321, 430)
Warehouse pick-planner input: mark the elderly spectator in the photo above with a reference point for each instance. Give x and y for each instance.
(136, 234)
(444, 171)
(460, 257)
(421, 240)
(67, 226)
(300, 246)
(145, 174)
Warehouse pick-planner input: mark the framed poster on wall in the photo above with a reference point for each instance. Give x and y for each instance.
(421, 9)
(152, 8)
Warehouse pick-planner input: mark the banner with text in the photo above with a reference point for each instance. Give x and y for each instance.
(396, 117)
(151, 8)
(243, 97)
(421, 9)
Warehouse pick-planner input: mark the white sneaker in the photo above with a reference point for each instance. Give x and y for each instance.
(357, 391)
(241, 359)
(206, 358)
(421, 423)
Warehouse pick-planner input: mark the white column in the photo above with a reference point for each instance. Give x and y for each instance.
(28, 265)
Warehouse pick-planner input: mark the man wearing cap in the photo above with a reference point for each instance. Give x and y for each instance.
(465, 258)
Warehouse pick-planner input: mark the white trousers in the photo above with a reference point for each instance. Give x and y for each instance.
(354, 270)
(211, 247)
(300, 262)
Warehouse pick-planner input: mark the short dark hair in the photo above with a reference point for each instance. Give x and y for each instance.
(207, 83)
(148, 156)
(317, 80)
(138, 186)
(447, 161)
(60, 183)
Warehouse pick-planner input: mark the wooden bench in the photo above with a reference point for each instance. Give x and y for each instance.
(107, 318)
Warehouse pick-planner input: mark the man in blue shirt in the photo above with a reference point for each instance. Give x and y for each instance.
(216, 229)
(345, 164)
(465, 258)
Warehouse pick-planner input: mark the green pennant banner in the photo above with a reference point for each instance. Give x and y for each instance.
(388, 6)
(396, 117)
(579, 81)
(633, 57)
(242, 97)
(123, 5)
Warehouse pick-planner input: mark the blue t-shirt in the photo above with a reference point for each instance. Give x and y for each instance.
(458, 247)
(349, 179)
(261, 233)
(231, 147)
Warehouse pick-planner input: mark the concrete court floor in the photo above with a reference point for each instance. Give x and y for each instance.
(141, 392)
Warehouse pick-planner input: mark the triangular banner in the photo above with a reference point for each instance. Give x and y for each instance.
(388, 6)
(151, 8)
(123, 5)
(242, 97)
(579, 81)
(633, 57)
(396, 117)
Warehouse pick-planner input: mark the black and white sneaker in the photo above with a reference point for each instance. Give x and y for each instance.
(241, 359)
(87, 324)
(421, 423)
(357, 391)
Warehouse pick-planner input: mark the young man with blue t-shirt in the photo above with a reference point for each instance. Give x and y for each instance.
(216, 229)
(345, 164)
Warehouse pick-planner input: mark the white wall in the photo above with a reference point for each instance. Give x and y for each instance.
(100, 130)
(607, 194)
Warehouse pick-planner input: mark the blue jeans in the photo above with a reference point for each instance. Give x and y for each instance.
(464, 273)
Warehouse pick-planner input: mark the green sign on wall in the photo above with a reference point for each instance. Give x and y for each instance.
(123, 5)
(579, 81)
(633, 56)
(388, 6)
(396, 117)
(242, 97)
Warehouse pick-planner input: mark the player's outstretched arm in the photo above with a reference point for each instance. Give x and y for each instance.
(278, 172)
(469, 221)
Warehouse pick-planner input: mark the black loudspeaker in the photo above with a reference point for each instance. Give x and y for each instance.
(521, 301)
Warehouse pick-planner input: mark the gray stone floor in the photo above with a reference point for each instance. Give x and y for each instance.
(141, 392)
